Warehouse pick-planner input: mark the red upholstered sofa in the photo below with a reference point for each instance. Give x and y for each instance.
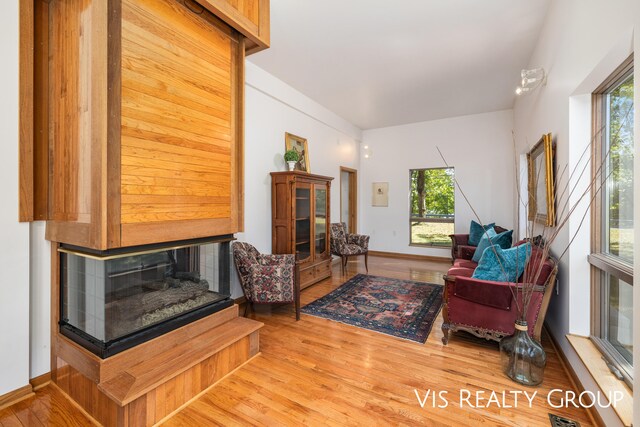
(486, 308)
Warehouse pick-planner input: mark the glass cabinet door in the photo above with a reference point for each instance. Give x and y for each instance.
(303, 222)
(320, 234)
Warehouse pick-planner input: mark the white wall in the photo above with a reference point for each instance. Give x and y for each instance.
(271, 109)
(14, 250)
(480, 147)
(581, 42)
(40, 301)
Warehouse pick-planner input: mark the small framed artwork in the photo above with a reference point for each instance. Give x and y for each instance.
(294, 142)
(380, 194)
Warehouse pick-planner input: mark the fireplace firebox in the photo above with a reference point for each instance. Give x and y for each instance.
(113, 300)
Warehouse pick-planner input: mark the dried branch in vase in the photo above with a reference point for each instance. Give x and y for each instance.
(575, 197)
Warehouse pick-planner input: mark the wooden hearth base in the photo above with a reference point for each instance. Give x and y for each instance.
(143, 385)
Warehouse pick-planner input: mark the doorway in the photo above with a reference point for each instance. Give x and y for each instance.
(349, 198)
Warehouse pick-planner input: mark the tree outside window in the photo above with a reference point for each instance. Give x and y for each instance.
(432, 206)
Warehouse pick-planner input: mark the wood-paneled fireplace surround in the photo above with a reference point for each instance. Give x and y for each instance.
(131, 149)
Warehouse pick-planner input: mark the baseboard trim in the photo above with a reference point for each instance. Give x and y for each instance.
(240, 300)
(40, 381)
(595, 417)
(398, 255)
(16, 396)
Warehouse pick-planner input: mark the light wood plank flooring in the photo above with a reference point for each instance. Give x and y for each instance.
(320, 372)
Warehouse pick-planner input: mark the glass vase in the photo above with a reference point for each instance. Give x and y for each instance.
(523, 358)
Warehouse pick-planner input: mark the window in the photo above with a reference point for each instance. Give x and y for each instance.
(612, 237)
(431, 206)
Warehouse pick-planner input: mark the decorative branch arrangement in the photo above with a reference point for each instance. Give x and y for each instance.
(568, 198)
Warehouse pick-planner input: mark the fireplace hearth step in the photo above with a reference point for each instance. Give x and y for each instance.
(145, 385)
(140, 379)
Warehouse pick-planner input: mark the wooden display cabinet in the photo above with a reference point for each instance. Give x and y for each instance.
(300, 205)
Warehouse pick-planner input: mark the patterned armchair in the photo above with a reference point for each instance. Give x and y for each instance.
(266, 279)
(345, 244)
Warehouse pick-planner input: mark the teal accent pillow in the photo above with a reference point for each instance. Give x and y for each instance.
(513, 262)
(476, 232)
(503, 239)
(484, 244)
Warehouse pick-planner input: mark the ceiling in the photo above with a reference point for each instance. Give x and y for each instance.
(381, 63)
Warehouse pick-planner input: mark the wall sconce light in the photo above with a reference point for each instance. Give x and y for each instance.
(366, 152)
(531, 79)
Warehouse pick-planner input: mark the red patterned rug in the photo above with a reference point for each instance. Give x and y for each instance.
(402, 308)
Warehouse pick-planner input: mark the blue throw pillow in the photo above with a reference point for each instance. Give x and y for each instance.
(503, 239)
(513, 262)
(485, 242)
(476, 232)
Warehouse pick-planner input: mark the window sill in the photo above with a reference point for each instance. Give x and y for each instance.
(427, 245)
(608, 383)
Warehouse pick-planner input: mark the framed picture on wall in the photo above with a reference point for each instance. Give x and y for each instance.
(380, 194)
(541, 185)
(294, 142)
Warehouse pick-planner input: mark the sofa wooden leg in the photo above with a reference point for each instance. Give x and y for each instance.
(366, 261)
(445, 333)
(345, 259)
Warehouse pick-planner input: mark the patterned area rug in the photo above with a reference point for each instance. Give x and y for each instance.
(401, 308)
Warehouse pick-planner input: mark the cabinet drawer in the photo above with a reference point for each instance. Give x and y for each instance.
(323, 270)
(307, 275)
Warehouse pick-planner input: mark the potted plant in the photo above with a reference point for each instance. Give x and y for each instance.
(291, 157)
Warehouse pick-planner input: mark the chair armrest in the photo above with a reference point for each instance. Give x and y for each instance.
(486, 292)
(466, 252)
(361, 240)
(459, 239)
(489, 293)
(480, 282)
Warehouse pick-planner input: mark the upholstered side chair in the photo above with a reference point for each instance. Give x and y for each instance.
(266, 279)
(345, 244)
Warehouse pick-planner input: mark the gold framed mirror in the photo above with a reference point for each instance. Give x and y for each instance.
(541, 185)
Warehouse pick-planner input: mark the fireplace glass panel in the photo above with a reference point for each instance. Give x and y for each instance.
(108, 299)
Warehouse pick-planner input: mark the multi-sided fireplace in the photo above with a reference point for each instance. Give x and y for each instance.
(113, 300)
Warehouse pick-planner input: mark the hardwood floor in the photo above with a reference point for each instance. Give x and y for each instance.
(49, 407)
(320, 372)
